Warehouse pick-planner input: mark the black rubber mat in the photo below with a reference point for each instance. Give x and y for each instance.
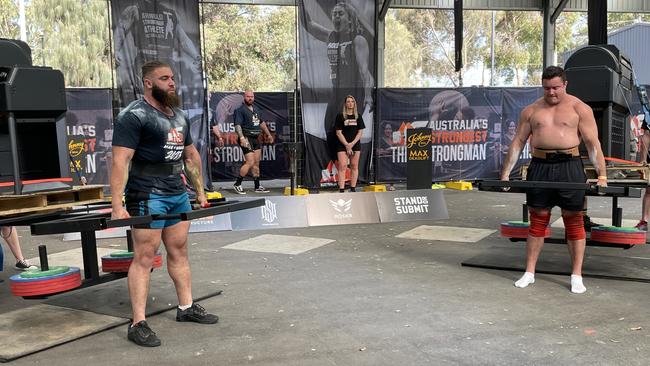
(40, 327)
(113, 298)
(615, 266)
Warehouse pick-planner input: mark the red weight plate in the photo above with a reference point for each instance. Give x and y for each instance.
(122, 265)
(618, 237)
(47, 287)
(518, 231)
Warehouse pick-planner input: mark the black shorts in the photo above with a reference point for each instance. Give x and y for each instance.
(253, 142)
(341, 148)
(568, 169)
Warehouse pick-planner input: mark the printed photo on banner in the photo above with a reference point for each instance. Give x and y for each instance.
(470, 129)
(89, 127)
(168, 31)
(336, 48)
(227, 156)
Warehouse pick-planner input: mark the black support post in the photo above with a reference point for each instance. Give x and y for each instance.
(42, 255)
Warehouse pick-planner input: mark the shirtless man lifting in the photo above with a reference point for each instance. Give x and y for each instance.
(555, 124)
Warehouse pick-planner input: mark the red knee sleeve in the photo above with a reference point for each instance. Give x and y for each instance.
(538, 224)
(574, 227)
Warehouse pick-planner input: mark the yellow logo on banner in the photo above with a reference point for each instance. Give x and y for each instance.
(419, 155)
(75, 148)
(419, 139)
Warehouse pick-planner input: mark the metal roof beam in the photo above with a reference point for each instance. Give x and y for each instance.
(252, 2)
(384, 10)
(613, 6)
(558, 10)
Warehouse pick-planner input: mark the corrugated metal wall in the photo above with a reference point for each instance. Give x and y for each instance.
(615, 6)
(634, 42)
(470, 4)
(623, 6)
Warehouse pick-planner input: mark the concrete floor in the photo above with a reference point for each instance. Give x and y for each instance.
(370, 298)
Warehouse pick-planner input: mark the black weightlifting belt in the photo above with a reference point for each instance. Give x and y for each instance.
(555, 154)
(140, 168)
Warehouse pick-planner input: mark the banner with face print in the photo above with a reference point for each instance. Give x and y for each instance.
(168, 31)
(337, 47)
(472, 129)
(227, 158)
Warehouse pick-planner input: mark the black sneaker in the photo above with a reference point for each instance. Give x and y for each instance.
(142, 335)
(261, 189)
(238, 189)
(23, 265)
(195, 313)
(589, 224)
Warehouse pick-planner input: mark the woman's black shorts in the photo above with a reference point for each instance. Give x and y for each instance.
(341, 148)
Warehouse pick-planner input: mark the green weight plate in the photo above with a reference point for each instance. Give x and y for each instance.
(517, 223)
(37, 273)
(626, 229)
(122, 254)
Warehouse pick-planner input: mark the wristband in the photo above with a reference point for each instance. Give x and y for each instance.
(602, 177)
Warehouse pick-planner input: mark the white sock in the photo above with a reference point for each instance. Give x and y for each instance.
(576, 284)
(525, 280)
(184, 307)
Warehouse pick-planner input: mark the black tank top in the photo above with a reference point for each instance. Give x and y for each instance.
(344, 70)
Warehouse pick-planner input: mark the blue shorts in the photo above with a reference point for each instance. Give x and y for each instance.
(142, 203)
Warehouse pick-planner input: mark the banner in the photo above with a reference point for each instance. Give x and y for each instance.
(342, 209)
(278, 212)
(226, 160)
(413, 205)
(471, 129)
(89, 126)
(418, 158)
(168, 31)
(337, 47)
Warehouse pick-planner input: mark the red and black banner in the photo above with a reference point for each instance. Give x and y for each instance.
(337, 47)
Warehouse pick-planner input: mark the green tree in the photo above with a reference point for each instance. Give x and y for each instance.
(518, 47)
(249, 47)
(401, 57)
(72, 36)
(8, 19)
(517, 42)
(571, 28)
(570, 31)
(619, 20)
(433, 32)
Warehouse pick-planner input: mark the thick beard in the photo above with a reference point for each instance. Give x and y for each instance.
(168, 99)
